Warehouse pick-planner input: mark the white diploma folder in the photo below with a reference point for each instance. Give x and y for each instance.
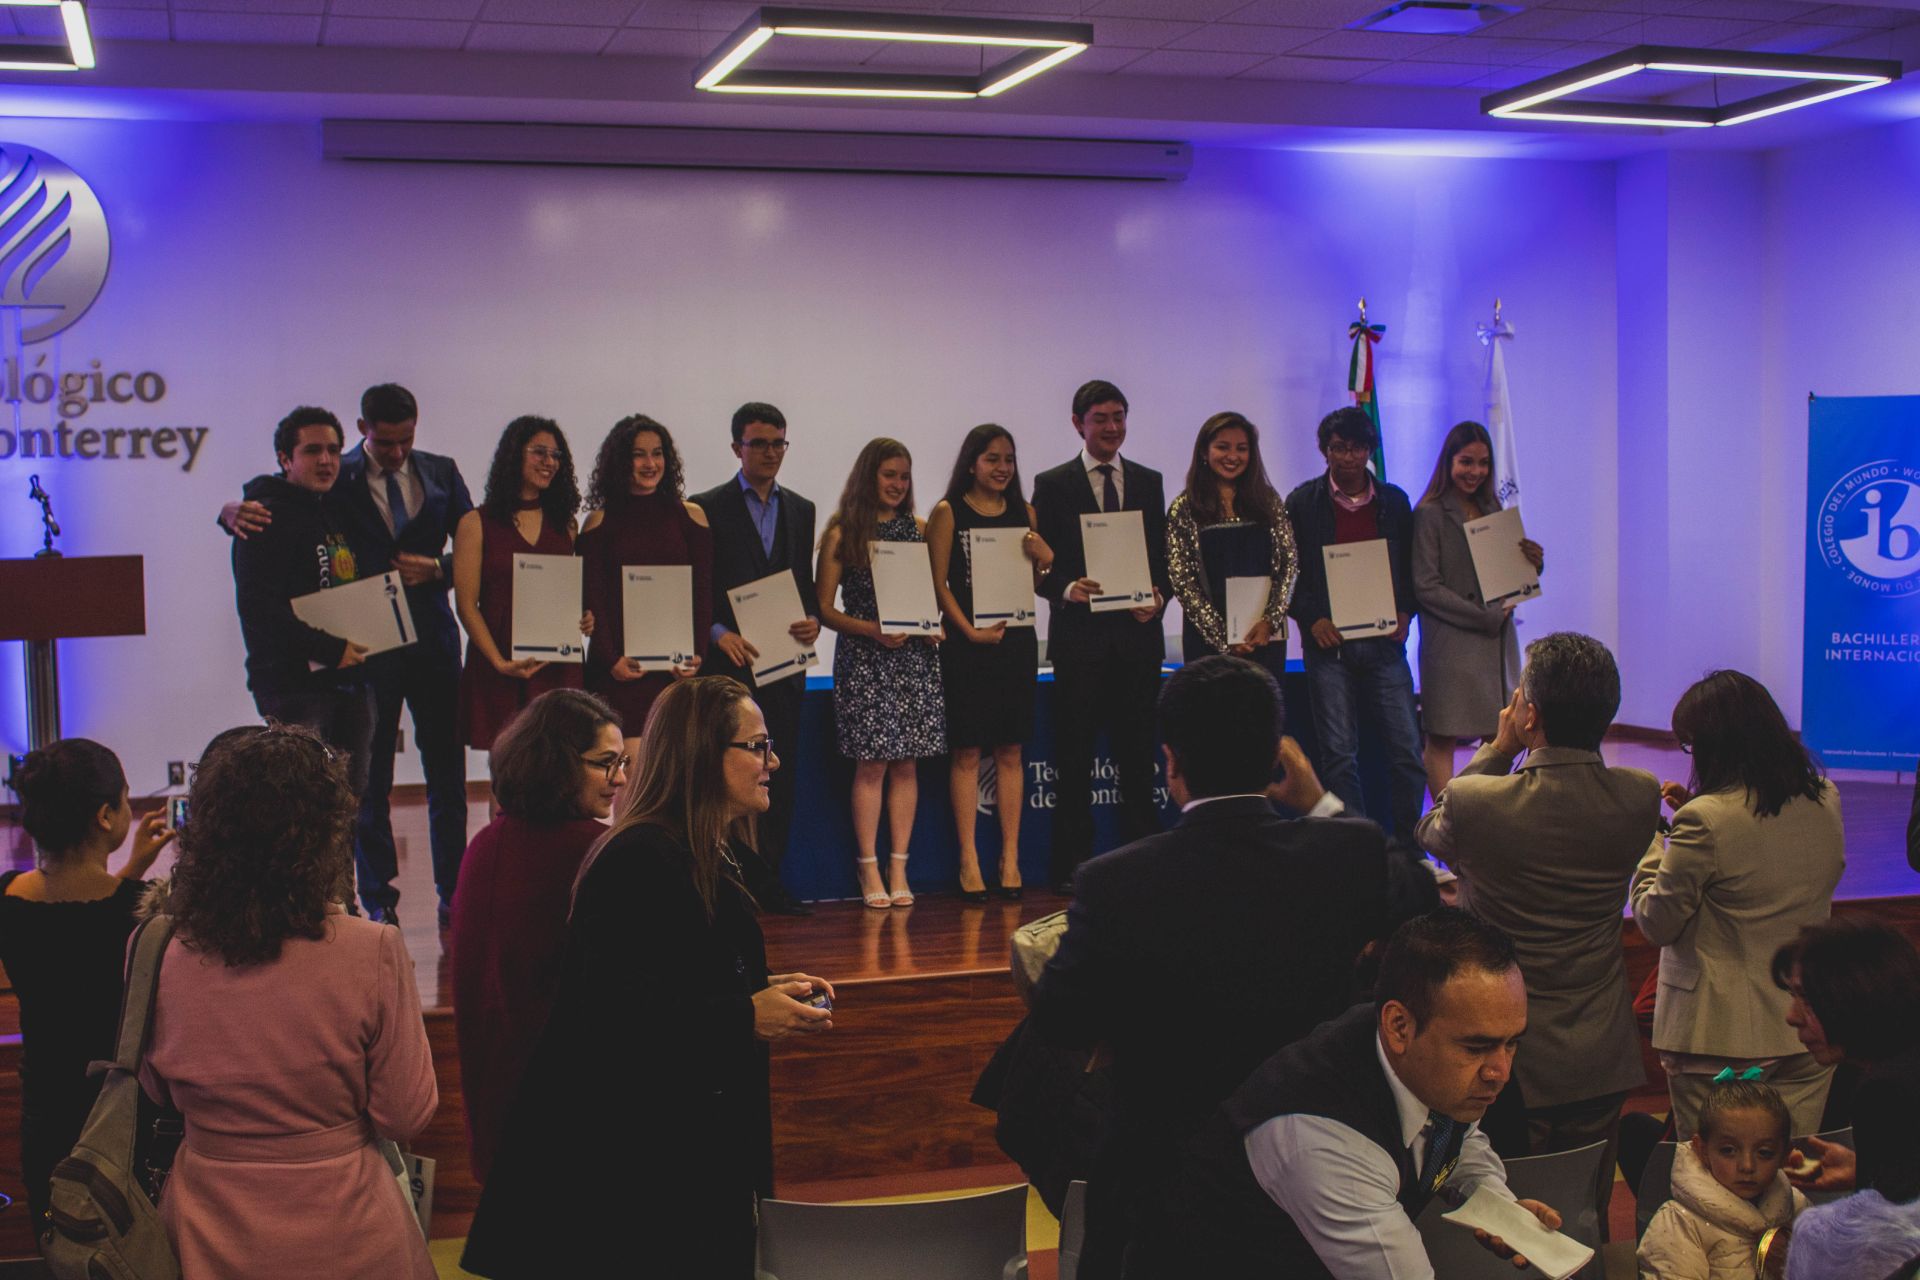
(903, 589)
(1552, 1252)
(764, 610)
(1002, 577)
(1246, 603)
(371, 612)
(1360, 588)
(546, 609)
(1116, 547)
(1504, 573)
(656, 615)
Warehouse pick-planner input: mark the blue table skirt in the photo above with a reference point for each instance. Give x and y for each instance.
(819, 860)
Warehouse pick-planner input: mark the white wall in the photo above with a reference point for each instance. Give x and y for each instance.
(255, 276)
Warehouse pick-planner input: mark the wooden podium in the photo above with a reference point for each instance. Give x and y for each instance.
(54, 597)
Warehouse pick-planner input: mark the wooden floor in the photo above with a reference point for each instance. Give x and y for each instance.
(924, 997)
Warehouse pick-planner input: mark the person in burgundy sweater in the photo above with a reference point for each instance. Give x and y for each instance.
(556, 769)
(1352, 679)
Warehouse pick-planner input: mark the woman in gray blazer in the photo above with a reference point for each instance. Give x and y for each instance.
(1754, 853)
(1469, 652)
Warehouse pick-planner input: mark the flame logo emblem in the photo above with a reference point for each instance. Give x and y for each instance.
(53, 242)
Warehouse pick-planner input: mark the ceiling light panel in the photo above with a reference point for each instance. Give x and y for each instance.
(75, 54)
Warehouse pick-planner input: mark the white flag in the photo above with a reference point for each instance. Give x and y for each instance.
(1506, 462)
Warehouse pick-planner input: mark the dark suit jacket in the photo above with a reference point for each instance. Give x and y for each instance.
(1310, 507)
(1198, 952)
(739, 558)
(1061, 495)
(427, 534)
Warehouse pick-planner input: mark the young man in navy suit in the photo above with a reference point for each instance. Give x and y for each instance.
(1106, 666)
(398, 507)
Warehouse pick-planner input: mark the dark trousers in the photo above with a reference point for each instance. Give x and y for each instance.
(1367, 680)
(342, 716)
(1572, 1125)
(1098, 689)
(780, 703)
(428, 684)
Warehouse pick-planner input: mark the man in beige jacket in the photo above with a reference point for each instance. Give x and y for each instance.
(1544, 853)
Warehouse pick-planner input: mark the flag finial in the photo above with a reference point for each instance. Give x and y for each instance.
(1496, 311)
(1363, 311)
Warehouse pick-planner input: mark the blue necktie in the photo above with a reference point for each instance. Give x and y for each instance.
(1439, 1137)
(396, 503)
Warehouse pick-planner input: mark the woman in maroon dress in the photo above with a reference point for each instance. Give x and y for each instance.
(529, 507)
(640, 516)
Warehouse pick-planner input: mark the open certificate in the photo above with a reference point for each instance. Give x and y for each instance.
(763, 611)
(656, 615)
(546, 609)
(371, 612)
(1116, 546)
(1504, 572)
(903, 589)
(1002, 577)
(1246, 605)
(1360, 588)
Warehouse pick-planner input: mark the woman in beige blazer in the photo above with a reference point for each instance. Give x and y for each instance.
(1754, 853)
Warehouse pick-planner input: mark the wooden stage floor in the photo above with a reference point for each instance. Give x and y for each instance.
(879, 1106)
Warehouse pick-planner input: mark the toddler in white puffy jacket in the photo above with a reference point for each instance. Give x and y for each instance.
(1728, 1188)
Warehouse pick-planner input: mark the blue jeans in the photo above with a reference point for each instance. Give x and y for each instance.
(1367, 678)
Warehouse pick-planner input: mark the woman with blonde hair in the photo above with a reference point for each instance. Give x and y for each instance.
(887, 705)
(655, 1049)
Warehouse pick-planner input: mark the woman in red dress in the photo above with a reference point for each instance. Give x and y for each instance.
(640, 516)
(529, 508)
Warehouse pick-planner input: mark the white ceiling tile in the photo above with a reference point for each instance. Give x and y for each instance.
(1388, 46)
(1795, 37)
(1289, 67)
(1097, 60)
(1753, 10)
(1307, 13)
(1140, 33)
(251, 6)
(1572, 55)
(522, 37)
(1438, 74)
(1239, 37)
(100, 6)
(1498, 78)
(1612, 6)
(129, 24)
(1692, 33)
(394, 33)
(934, 59)
(717, 16)
(644, 43)
(1854, 15)
(35, 22)
(1194, 62)
(577, 13)
(1021, 9)
(1487, 51)
(448, 10)
(1187, 10)
(247, 28)
(1557, 24)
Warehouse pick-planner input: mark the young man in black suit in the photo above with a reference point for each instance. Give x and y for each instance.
(398, 507)
(1106, 666)
(1289, 906)
(761, 527)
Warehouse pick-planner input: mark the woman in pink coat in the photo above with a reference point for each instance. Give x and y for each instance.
(288, 1033)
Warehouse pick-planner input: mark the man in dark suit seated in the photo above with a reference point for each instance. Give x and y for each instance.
(1106, 666)
(1318, 1165)
(761, 527)
(1197, 952)
(397, 506)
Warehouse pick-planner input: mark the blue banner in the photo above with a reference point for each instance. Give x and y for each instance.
(1860, 698)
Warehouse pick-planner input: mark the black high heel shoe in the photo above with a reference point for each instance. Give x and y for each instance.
(1012, 893)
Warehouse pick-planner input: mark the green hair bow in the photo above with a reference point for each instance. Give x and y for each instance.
(1750, 1074)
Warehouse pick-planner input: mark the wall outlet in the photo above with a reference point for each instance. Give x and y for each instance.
(176, 773)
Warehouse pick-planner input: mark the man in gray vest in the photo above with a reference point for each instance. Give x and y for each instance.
(1545, 853)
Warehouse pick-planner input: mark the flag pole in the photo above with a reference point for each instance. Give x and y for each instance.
(1360, 382)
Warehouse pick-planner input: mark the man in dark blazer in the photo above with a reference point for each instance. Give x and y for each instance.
(1194, 954)
(1106, 666)
(1360, 678)
(385, 468)
(761, 527)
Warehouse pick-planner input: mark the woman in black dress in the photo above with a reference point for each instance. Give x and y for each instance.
(987, 672)
(63, 938)
(641, 1133)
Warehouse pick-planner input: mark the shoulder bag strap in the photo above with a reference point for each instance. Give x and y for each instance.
(143, 982)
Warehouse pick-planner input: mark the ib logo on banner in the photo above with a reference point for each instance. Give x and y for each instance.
(53, 242)
(1869, 527)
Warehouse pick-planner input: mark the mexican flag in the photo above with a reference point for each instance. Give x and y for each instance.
(1361, 384)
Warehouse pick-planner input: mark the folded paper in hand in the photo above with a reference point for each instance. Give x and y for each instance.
(1559, 1256)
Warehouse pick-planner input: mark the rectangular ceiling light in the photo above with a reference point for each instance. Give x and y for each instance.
(1433, 17)
(1549, 98)
(1045, 45)
(76, 56)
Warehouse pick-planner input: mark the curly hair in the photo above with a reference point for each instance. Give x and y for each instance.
(613, 469)
(268, 848)
(562, 498)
